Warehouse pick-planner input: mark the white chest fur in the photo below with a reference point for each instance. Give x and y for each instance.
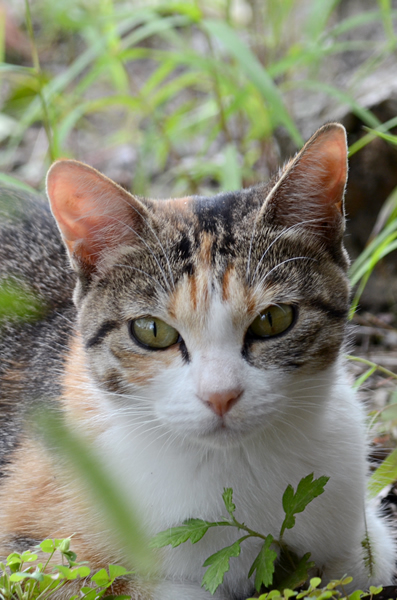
(172, 478)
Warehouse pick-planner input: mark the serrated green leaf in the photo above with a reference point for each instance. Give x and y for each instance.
(264, 565)
(294, 503)
(218, 565)
(193, 529)
(297, 576)
(228, 500)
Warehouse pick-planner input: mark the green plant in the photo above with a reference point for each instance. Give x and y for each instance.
(289, 570)
(233, 92)
(23, 578)
(334, 590)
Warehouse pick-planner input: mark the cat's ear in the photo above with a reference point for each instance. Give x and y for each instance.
(310, 190)
(93, 213)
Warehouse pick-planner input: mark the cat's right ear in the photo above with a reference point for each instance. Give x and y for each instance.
(309, 192)
(94, 214)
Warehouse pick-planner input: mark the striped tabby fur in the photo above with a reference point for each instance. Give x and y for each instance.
(217, 408)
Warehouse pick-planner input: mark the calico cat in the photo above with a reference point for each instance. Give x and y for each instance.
(202, 350)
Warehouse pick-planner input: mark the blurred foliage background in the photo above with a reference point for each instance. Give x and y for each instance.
(182, 96)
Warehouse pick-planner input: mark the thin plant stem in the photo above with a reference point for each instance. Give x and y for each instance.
(372, 364)
(39, 77)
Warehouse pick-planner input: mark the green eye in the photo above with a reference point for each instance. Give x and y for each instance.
(153, 332)
(272, 321)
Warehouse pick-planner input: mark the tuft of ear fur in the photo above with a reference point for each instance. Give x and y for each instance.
(311, 188)
(94, 214)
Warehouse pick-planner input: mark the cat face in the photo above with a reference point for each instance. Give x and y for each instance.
(210, 315)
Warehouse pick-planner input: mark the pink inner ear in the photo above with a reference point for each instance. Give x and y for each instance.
(310, 191)
(326, 159)
(93, 213)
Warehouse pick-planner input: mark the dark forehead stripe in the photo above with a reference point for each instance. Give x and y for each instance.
(221, 216)
(215, 213)
(101, 333)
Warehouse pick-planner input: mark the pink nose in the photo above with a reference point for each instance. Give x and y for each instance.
(222, 402)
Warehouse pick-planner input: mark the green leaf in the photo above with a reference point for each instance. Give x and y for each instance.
(47, 546)
(28, 556)
(375, 590)
(294, 503)
(70, 557)
(264, 565)
(228, 500)
(357, 595)
(21, 576)
(70, 574)
(385, 474)
(14, 561)
(218, 564)
(297, 576)
(193, 529)
(101, 578)
(117, 571)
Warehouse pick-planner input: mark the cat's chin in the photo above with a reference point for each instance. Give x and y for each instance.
(222, 435)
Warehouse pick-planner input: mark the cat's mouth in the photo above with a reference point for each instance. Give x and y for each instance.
(222, 432)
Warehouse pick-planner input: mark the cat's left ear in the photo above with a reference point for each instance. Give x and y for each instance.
(94, 214)
(309, 193)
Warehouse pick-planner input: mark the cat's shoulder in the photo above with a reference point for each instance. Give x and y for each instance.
(36, 320)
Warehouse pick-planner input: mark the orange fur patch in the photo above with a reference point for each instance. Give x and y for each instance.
(177, 204)
(226, 281)
(193, 291)
(140, 368)
(77, 399)
(206, 249)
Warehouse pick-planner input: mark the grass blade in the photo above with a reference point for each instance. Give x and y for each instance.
(255, 72)
(68, 445)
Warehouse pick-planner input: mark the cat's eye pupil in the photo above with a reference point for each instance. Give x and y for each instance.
(273, 321)
(152, 332)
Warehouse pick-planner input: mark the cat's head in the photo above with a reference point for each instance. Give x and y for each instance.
(211, 313)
